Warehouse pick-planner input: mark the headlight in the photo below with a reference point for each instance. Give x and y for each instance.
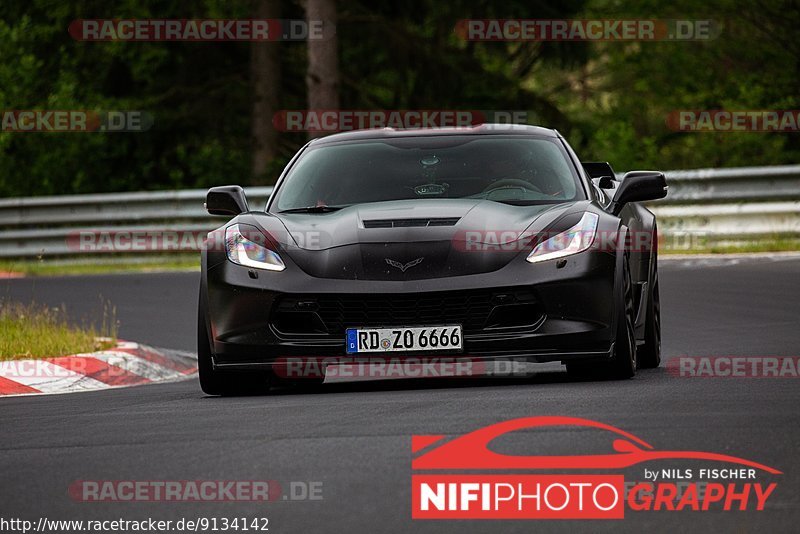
(247, 252)
(577, 239)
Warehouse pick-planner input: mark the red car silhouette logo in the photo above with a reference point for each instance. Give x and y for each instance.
(471, 451)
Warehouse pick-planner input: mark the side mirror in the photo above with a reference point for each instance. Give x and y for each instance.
(226, 200)
(637, 186)
(598, 169)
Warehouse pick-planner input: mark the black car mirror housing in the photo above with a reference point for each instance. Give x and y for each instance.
(638, 186)
(226, 200)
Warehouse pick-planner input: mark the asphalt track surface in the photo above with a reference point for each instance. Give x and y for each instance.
(355, 438)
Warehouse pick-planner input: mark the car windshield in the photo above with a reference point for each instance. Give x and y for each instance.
(514, 170)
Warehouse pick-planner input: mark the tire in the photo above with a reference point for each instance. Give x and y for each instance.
(216, 382)
(623, 362)
(649, 354)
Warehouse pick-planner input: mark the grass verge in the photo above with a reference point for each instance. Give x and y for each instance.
(734, 246)
(130, 264)
(37, 331)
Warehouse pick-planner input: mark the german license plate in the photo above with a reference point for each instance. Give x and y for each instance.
(405, 339)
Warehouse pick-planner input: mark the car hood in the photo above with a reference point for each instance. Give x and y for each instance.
(412, 240)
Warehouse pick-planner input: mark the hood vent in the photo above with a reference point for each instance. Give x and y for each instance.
(407, 223)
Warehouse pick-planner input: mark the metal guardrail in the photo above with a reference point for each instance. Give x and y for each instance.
(51, 226)
(733, 202)
(722, 202)
(742, 184)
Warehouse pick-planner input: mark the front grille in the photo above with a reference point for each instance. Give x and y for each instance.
(475, 310)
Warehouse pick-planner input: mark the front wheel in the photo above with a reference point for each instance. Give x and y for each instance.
(624, 363)
(650, 353)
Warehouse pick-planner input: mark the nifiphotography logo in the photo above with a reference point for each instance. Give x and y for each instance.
(463, 478)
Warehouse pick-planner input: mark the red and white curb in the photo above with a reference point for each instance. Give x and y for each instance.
(127, 364)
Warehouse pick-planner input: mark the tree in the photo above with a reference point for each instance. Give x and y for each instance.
(322, 78)
(265, 73)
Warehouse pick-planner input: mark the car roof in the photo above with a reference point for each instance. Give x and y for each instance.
(480, 129)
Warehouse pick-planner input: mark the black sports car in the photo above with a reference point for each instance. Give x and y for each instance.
(492, 242)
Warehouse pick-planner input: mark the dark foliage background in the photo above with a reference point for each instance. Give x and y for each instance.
(610, 99)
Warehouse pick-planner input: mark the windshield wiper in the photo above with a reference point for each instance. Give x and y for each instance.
(314, 209)
(527, 202)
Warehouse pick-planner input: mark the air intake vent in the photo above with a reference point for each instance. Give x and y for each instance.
(406, 223)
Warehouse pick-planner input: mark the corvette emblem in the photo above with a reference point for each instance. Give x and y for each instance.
(404, 267)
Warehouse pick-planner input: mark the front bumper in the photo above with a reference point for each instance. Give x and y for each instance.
(564, 313)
